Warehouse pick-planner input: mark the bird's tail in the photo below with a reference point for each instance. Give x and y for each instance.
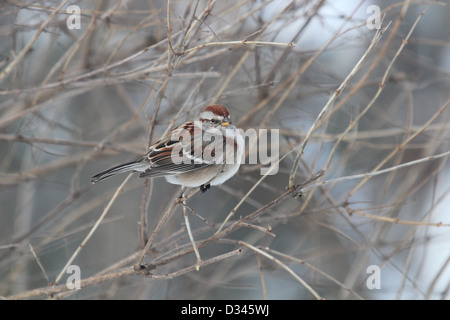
(126, 167)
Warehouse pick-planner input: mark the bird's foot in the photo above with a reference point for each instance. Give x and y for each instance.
(203, 187)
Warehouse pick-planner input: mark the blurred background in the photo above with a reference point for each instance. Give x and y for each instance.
(88, 87)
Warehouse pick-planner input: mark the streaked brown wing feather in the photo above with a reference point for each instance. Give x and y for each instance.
(160, 155)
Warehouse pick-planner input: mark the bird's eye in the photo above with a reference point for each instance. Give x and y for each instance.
(214, 121)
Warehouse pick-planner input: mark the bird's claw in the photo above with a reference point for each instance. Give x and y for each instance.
(203, 187)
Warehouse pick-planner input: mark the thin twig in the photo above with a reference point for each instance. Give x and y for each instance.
(397, 220)
(331, 101)
(315, 269)
(191, 237)
(94, 228)
(27, 47)
(244, 198)
(146, 196)
(285, 267)
(51, 290)
(261, 274)
(158, 228)
(411, 137)
(39, 263)
(232, 43)
(401, 146)
(374, 173)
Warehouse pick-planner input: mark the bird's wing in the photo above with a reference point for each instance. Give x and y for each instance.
(177, 153)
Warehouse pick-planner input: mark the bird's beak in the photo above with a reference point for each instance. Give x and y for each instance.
(226, 122)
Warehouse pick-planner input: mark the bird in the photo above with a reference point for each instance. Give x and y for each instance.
(187, 156)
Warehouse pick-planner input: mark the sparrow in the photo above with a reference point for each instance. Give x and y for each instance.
(200, 153)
